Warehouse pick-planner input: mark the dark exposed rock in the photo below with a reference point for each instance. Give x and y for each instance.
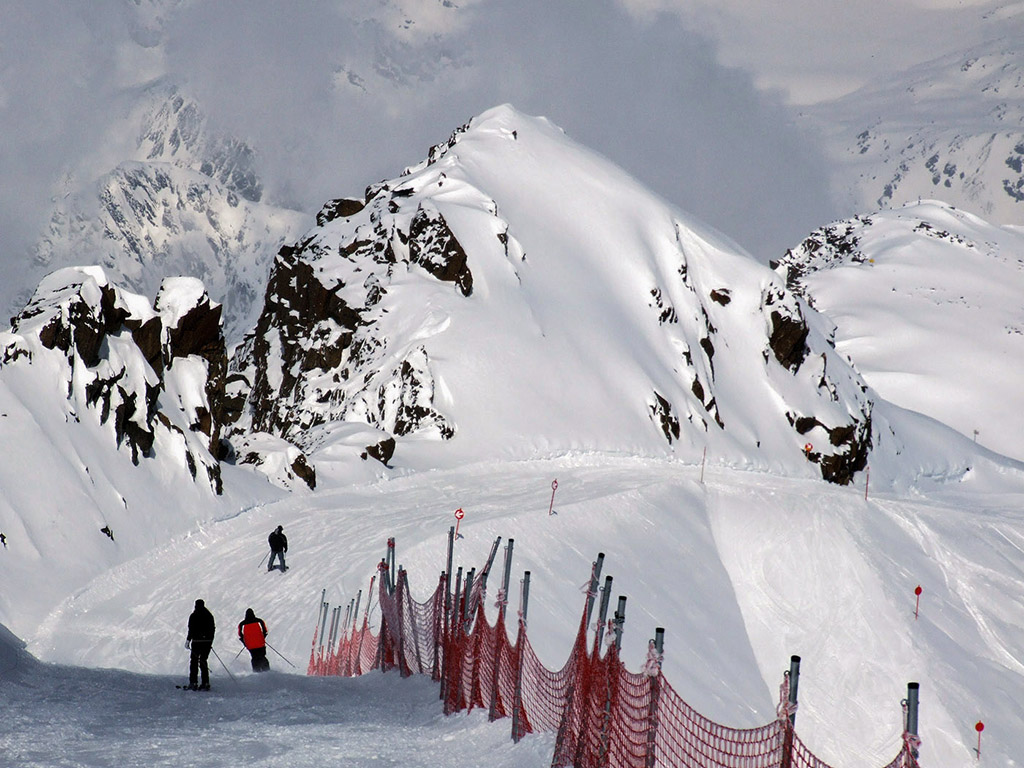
(788, 339)
(661, 413)
(305, 471)
(382, 451)
(853, 440)
(340, 208)
(722, 295)
(78, 313)
(433, 246)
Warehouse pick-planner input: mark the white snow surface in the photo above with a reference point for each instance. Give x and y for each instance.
(929, 310)
(744, 558)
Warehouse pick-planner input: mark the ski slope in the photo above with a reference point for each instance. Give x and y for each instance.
(742, 570)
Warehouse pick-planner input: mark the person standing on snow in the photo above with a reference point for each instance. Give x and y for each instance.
(278, 546)
(201, 629)
(252, 631)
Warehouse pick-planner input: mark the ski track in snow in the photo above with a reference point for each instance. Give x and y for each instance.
(743, 571)
(80, 718)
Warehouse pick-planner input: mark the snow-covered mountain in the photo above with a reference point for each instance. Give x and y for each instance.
(454, 307)
(512, 310)
(948, 129)
(927, 303)
(183, 199)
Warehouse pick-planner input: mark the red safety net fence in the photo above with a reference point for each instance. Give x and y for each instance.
(603, 715)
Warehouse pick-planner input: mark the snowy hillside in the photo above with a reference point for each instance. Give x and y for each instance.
(948, 129)
(111, 409)
(742, 571)
(927, 303)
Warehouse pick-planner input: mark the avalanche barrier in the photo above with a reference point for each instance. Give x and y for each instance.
(603, 715)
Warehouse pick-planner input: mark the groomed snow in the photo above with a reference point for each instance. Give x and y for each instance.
(742, 571)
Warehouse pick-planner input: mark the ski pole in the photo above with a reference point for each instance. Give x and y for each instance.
(278, 653)
(263, 561)
(223, 664)
(239, 651)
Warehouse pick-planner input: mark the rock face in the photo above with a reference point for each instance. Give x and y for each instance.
(156, 373)
(317, 356)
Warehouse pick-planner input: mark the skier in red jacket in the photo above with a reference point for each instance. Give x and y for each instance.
(253, 633)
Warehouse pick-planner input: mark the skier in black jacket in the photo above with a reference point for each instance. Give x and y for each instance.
(201, 629)
(278, 546)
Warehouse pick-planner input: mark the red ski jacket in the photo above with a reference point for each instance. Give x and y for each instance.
(253, 633)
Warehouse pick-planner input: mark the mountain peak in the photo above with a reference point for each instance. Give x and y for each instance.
(516, 293)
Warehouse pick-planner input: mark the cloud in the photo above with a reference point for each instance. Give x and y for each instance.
(336, 97)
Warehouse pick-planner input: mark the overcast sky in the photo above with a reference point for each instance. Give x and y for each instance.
(694, 98)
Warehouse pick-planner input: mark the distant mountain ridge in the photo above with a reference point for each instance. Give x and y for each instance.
(949, 129)
(187, 203)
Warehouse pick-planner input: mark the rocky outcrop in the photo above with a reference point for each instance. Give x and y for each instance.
(150, 371)
(317, 355)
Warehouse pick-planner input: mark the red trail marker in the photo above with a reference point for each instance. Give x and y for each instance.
(917, 591)
(551, 507)
(979, 727)
(459, 514)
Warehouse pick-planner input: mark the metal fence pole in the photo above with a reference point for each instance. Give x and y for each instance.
(518, 699)
(502, 639)
(913, 694)
(606, 593)
(652, 711)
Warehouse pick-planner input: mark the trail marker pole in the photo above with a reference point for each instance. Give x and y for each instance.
(917, 591)
(794, 684)
(459, 514)
(390, 571)
(551, 506)
(606, 723)
(979, 727)
(867, 482)
(467, 597)
(446, 625)
(323, 624)
(323, 594)
(703, 461)
(487, 567)
(620, 620)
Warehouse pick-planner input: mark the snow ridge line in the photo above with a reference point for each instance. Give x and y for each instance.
(603, 714)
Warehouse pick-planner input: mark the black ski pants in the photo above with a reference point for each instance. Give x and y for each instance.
(197, 663)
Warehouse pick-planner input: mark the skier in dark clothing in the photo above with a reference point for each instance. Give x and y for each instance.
(278, 546)
(201, 629)
(252, 631)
